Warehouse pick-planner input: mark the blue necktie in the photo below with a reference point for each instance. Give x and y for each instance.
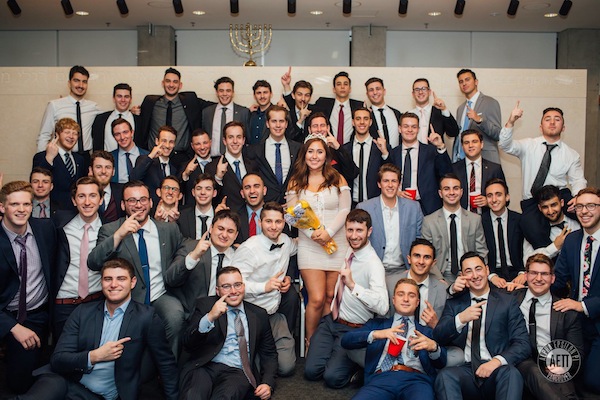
(238, 173)
(278, 166)
(143, 252)
(459, 153)
(389, 360)
(129, 164)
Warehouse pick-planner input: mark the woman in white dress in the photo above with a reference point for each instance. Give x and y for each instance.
(328, 194)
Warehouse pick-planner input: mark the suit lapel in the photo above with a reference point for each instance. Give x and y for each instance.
(6, 248)
(441, 223)
(129, 245)
(98, 322)
(465, 228)
(126, 320)
(162, 234)
(556, 320)
(491, 309)
(253, 330)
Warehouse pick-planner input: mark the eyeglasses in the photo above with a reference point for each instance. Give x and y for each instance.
(534, 274)
(227, 286)
(589, 206)
(167, 188)
(132, 201)
(420, 89)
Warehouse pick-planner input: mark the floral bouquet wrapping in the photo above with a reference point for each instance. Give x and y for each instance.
(302, 216)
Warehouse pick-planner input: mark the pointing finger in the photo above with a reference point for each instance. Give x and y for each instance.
(224, 200)
(480, 304)
(204, 236)
(223, 298)
(289, 70)
(124, 340)
(428, 304)
(431, 127)
(222, 160)
(434, 96)
(277, 275)
(518, 103)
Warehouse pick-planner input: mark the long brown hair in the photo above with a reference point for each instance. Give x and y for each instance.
(299, 179)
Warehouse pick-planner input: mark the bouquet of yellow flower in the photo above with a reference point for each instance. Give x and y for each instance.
(302, 216)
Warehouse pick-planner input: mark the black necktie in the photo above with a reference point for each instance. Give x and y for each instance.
(502, 247)
(475, 340)
(220, 262)
(560, 225)
(164, 169)
(129, 164)
(22, 310)
(361, 171)
(418, 310)
(453, 246)
(223, 123)
(407, 170)
(169, 119)
(533, 328)
(540, 178)
(386, 132)
(203, 226)
(276, 246)
(80, 137)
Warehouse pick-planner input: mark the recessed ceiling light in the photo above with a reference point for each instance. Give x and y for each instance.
(434, 13)
(82, 13)
(316, 12)
(551, 15)
(198, 12)
(494, 14)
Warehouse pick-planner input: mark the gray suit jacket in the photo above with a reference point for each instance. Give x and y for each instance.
(436, 293)
(435, 230)
(171, 244)
(490, 127)
(240, 114)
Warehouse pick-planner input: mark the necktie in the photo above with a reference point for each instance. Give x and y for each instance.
(502, 248)
(43, 211)
(22, 311)
(243, 346)
(128, 164)
(80, 137)
(252, 225)
(276, 246)
(84, 249)
(278, 166)
(587, 265)
(69, 165)
(560, 225)
(386, 132)
(337, 301)
(223, 123)
(540, 178)
(203, 223)
(238, 173)
(361, 171)
(407, 170)
(164, 169)
(472, 185)
(169, 120)
(533, 328)
(453, 245)
(458, 152)
(120, 115)
(203, 163)
(143, 253)
(220, 261)
(340, 127)
(475, 340)
(418, 310)
(389, 360)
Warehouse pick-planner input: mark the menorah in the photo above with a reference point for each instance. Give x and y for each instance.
(250, 39)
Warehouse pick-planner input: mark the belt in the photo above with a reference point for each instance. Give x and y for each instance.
(350, 324)
(79, 300)
(400, 367)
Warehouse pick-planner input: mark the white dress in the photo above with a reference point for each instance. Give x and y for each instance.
(331, 205)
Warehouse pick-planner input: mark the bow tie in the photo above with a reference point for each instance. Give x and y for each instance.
(276, 246)
(560, 225)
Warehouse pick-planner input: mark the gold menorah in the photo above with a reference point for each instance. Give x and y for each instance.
(250, 39)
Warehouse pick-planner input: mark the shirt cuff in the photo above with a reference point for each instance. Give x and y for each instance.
(358, 290)
(490, 276)
(434, 355)
(205, 325)
(370, 338)
(384, 157)
(190, 263)
(458, 325)
(219, 180)
(446, 113)
(90, 367)
(501, 359)
(585, 310)
(441, 151)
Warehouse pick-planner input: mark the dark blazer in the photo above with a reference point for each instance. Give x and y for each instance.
(294, 132)
(115, 154)
(99, 125)
(187, 186)
(61, 193)
(392, 125)
(325, 105)
(204, 346)
(171, 244)
(374, 161)
(505, 330)
(489, 170)
(357, 339)
(116, 196)
(231, 186)
(441, 124)
(150, 172)
(187, 222)
(515, 243)
(45, 238)
(240, 114)
(192, 106)
(82, 334)
(275, 190)
(428, 173)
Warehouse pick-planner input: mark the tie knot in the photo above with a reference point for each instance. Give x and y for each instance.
(278, 145)
(550, 147)
(341, 106)
(42, 206)
(127, 154)
(361, 144)
(560, 225)
(86, 227)
(141, 233)
(253, 215)
(408, 149)
(77, 102)
(381, 110)
(170, 102)
(420, 285)
(276, 246)
(22, 240)
(534, 300)
(470, 103)
(67, 154)
(478, 299)
(221, 256)
(224, 109)
(452, 216)
(235, 311)
(499, 219)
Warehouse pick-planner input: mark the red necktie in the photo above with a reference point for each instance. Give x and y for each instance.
(252, 225)
(340, 127)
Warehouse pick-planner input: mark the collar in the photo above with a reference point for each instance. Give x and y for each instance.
(477, 162)
(272, 142)
(266, 242)
(367, 141)
(119, 310)
(149, 226)
(363, 253)
(62, 152)
(384, 207)
(415, 145)
(375, 108)
(250, 211)
(337, 104)
(424, 283)
(427, 108)
(214, 251)
(504, 216)
(543, 299)
(164, 160)
(229, 106)
(124, 114)
(37, 203)
(484, 296)
(595, 235)
(474, 98)
(411, 318)
(135, 151)
(198, 212)
(79, 222)
(240, 307)
(447, 213)
(74, 100)
(199, 159)
(12, 235)
(231, 159)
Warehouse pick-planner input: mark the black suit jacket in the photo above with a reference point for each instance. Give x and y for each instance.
(231, 186)
(489, 170)
(374, 161)
(441, 124)
(61, 193)
(204, 346)
(83, 331)
(187, 222)
(325, 105)
(98, 130)
(45, 238)
(294, 132)
(515, 243)
(150, 172)
(392, 125)
(275, 190)
(187, 186)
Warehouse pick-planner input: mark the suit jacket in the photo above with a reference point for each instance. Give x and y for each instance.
(99, 125)
(441, 124)
(428, 173)
(187, 186)
(567, 270)
(374, 161)
(116, 196)
(150, 172)
(204, 346)
(505, 331)
(294, 132)
(115, 154)
(326, 104)
(45, 238)
(192, 106)
(435, 230)
(187, 222)
(240, 114)
(515, 243)
(61, 193)
(171, 242)
(563, 325)
(410, 218)
(436, 293)
(392, 125)
(231, 185)
(490, 127)
(83, 331)
(275, 190)
(489, 170)
(357, 338)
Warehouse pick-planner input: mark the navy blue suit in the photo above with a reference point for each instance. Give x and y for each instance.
(568, 267)
(115, 154)
(150, 172)
(61, 193)
(515, 243)
(431, 167)
(489, 170)
(374, 161)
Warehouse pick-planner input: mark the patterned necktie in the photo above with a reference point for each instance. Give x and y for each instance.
(389, 360)
(84, 249)
(69, 165)
(143, 253)
(340, 127)
(407, 170)
(337, 301)
(43, 211)
(540, 178)
(243, 346)
(386, 132)
(22, 310)
(238, 172)
(472, 185)
(278, 165)
(453, 245)
(587, 265)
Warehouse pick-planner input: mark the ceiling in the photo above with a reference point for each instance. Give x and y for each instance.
(479, 15)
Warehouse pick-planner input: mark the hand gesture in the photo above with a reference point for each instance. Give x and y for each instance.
(422, 342)
(560, 239)
(136, 110)
(438, 103)
(332, 140)
(156, 152)
(109, 351)
(499, 282)
(161, 214)
(190, 167)
(282, 103)
(471, 313)
(201, 247)
(390, 333)
(286, 80)
(28, 338)
(218, 309)
(222, 205)
(128, 227)
(429, 316)
(382, 145)
(274, 283)
(460, 284)
(304, 113)
(472, 114)
(221, 167)
(435, 139)
(52, 150)
(173, 213)
(515, 114)
(285, 285)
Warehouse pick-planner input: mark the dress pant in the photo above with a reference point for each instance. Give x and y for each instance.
(170, 310)
(401, 385)
(289, 307)
(214, 381)
(452, 383)
(542, 388)
(60, 315)
(285, 344)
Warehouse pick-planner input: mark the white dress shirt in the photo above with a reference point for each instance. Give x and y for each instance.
(190, 264)
(424, 293)
(230, 159)
(217, 135)
(110, 143)
(392, 256)
(414, 166)
(473, 101)
(459, 243)
(270, 150)
(551, 250)
(356, 158)
(424, 114)
(157, 285)
(334, 118)
(542, 317)
(392, 124)
(210, 214)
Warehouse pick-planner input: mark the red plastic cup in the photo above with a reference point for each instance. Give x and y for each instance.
(412, 192)
(472, 197)
(395, 349)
